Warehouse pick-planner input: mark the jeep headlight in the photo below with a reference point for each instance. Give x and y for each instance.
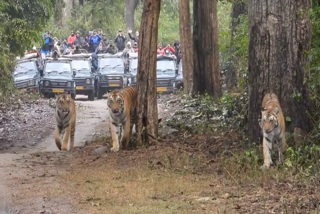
(88, 81)
(68, 84)
(30, 82)
(41, 82)
(46, 83)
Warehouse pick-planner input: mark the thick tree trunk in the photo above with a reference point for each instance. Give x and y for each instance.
(186, 44)
(231, 76)
(205, 48)
(279, 37)
(129, 14)
(147, 109)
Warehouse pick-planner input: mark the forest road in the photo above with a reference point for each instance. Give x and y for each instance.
(92, 120)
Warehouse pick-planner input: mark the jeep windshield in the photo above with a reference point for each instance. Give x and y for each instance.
(166, 67)
(57, 68)
(111, 65)
(81, 66)
(24, 68)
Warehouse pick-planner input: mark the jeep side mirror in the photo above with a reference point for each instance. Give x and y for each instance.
(177, 71)
(74, 72)
(41, 72)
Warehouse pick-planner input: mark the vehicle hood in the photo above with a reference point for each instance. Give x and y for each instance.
(113, 73)
(82, 75)
(165, 76)
(24, 77)
(58, 77)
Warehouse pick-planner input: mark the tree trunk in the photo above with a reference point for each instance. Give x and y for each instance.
(186, 44)
(238, 8)
(279, 38)
(129, 14)
(205, 48)
(147, 109)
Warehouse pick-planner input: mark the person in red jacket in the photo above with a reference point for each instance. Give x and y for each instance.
(71, 38)
(169, 48)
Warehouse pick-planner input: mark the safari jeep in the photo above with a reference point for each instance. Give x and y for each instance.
(58, 78)
(166, 73)
(111, 74)
(85, 75)
(27, 73)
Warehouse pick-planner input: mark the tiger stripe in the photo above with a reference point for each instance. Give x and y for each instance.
(273, 128)
(122, 110)
(65, 116)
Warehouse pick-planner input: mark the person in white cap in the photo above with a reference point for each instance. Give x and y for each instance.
(128, 48)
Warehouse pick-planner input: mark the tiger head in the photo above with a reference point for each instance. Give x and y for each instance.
(64, 102)
(115, 102)
(269, 120)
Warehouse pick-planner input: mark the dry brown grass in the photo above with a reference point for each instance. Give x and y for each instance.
(172, 178)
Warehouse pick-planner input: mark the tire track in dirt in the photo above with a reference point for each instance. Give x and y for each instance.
(92, 117)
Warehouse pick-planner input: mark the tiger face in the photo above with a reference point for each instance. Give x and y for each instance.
(270, 120)
(116, 102)
(64, 103)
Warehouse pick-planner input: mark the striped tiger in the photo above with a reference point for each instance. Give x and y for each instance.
(273, 128)
(66, 121)
(122, 111)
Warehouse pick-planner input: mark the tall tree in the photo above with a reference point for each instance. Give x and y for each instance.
(279, 38)
(186, 44)
(131, 6)
(205, 48)
(238, 8)
(147, 109)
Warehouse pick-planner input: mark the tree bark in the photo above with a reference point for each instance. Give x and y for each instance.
(129, 14)
(147, 109)
(238, 8)
(186, 44)
(205, 48)
(279, 37)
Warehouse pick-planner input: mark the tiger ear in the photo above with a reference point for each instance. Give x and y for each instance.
(276, 110)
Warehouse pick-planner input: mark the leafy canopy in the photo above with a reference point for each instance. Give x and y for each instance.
(20, 25)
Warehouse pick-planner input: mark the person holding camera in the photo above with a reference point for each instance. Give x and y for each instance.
(132, 37)
(120, 41)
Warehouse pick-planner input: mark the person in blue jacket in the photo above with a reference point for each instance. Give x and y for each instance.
(94, 41)
(45, 49)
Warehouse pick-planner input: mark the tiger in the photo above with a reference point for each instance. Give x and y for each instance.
(122, 110)
(65, 121)
(273, 128)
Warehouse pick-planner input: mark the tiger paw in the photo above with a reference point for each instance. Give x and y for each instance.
(114, 149)
(64, 149)
(264, 167)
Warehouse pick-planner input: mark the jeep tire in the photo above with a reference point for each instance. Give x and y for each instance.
(91, 95)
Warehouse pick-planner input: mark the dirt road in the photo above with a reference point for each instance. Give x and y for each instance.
(92, 119)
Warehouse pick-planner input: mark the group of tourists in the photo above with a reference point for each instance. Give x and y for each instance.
(97, 42)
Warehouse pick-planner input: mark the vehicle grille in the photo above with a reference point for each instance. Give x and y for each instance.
(80, 81)
(58, 84)
(22, 84)
(163, 82)
(115, 79)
